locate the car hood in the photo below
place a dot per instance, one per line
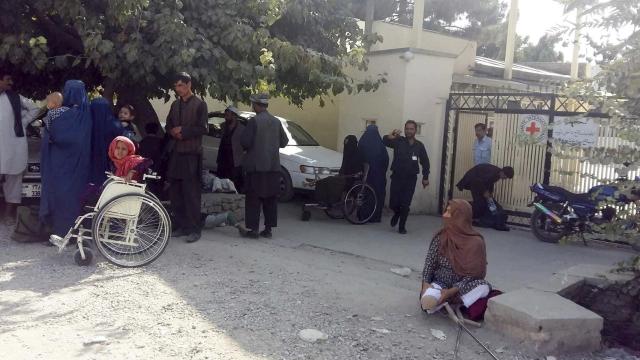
(312, 156)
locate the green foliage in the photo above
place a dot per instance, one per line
(140, 44)
(543, 51)
(492, 42)
(461, 17)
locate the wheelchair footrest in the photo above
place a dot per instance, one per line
(58, 241)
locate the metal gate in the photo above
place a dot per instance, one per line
(500, 111)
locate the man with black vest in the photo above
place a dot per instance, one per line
(186, 124)
(15, 114)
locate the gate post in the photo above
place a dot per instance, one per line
(445, 148)
(547, 155)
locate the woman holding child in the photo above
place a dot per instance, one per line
(66, 159)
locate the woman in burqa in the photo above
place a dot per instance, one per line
(376, 162)
(456, 262)
(66, 160)
(105, 128)
(351, 159)
(329, 190)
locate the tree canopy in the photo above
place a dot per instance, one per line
(544, 50)
(462, 17)
(134, 47)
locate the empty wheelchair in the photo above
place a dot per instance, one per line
(128, 225)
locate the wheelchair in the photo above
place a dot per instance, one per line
(129, 226)
(356, 201)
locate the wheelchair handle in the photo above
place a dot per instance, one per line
(153, 176)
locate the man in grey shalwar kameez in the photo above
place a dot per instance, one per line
(262, 139)
(15, 114)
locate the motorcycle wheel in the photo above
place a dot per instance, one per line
(545, 229)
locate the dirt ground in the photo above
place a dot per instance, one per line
(222, 298)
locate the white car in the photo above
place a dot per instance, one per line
(300, 160)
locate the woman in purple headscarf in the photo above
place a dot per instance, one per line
(65, 160)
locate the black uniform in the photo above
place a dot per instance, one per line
(184, 170)
(405, 168)
(479, 179)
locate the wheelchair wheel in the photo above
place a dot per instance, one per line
(88, 257)
(360, 204)
(131, 230)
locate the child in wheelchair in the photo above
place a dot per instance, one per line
(124, 164)
(113, 214)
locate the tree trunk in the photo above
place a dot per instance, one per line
(109, 89)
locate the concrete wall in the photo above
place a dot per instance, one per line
(426, 94)
(320, 122)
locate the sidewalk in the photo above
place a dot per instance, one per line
(516, 258)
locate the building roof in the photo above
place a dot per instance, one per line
(563, 68)
(494, 68)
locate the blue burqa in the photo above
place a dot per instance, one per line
(105, 128)
(66, 160)
(374, 153)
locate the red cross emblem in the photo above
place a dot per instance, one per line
(532, 129)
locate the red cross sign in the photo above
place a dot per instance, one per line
(532, 129)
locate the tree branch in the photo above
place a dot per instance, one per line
(56, 34)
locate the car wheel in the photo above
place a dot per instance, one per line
(286, 186)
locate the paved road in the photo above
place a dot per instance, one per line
(515, 258)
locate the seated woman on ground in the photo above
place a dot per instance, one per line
(456, 262)
(125, 163)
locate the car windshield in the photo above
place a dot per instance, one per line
(297, 135)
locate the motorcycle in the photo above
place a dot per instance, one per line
(558, 212)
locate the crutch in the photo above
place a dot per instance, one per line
(461, 321)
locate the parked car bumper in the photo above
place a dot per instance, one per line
(302, 181)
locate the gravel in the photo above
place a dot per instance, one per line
(221, 298)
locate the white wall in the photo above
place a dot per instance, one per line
(415, 90)
(426, 94)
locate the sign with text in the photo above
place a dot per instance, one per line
(576, 131)
(533, 128)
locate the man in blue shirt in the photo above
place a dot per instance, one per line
(481, 145)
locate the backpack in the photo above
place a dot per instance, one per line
(29, 228)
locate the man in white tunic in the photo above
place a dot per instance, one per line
(15, 113)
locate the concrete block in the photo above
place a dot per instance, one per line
(596, 275)
(545, 320)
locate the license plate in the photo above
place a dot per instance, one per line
(31, 190)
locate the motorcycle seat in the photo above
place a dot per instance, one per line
(568, 195)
